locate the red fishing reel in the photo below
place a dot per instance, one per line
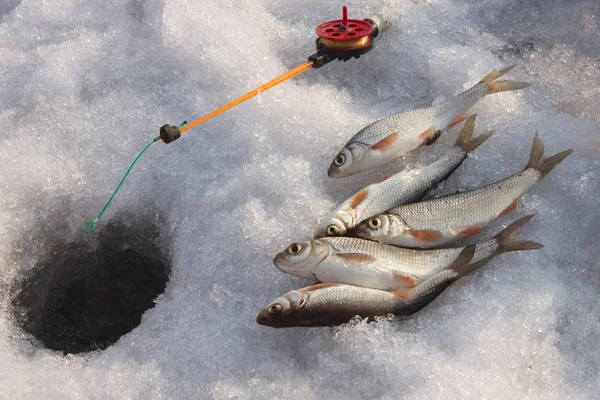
(345, 38)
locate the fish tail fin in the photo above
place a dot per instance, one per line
(497, 73)
(539, 162)
(495, 86)
(507, 241)
(465, 137)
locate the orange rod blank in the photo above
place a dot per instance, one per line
(281, 78)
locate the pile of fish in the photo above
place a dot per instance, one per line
(380, 252)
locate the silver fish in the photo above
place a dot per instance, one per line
(393, 136)
(329, 304)
(445, 219)
(403, 187)
(374, 265)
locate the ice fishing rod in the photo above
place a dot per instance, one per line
(341, 40)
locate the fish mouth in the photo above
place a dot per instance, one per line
(264, 319)
(280, 260)
(335, 172)
(361, 232)
(320, 233)
(281, 263)
(287, 267)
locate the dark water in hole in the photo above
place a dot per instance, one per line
(84, 294)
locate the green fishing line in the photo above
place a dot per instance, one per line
(89, 226)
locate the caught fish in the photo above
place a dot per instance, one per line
(393, 136)
(329, 304)
(406, 186)
(366, 263)
(445, 219)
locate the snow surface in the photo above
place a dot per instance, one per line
(85, 85)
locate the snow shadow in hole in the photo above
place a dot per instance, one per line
(84, 293)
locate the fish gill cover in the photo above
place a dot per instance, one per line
(84, 85)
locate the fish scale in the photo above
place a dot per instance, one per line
(439, 116)
(339, 298)
(335, 304)
(403, 123)
(367, 263)
(411, 184)
(443, 220)
(403, 187)
(463, 210)
(390, 137)
(413, 261)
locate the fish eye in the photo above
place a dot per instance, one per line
(339, 160)
(294, 248)
(375, 223)
(274, 309)
(333, 230)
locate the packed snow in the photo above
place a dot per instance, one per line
(84, 86)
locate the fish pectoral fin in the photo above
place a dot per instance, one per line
(402, 294)
(457, 120)
(429, 140)
(357, 258)
(386, 143)
(405, 280)
(426, 133)
(510, 209)
(359, 198)
(425, 235)
(474, 230)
